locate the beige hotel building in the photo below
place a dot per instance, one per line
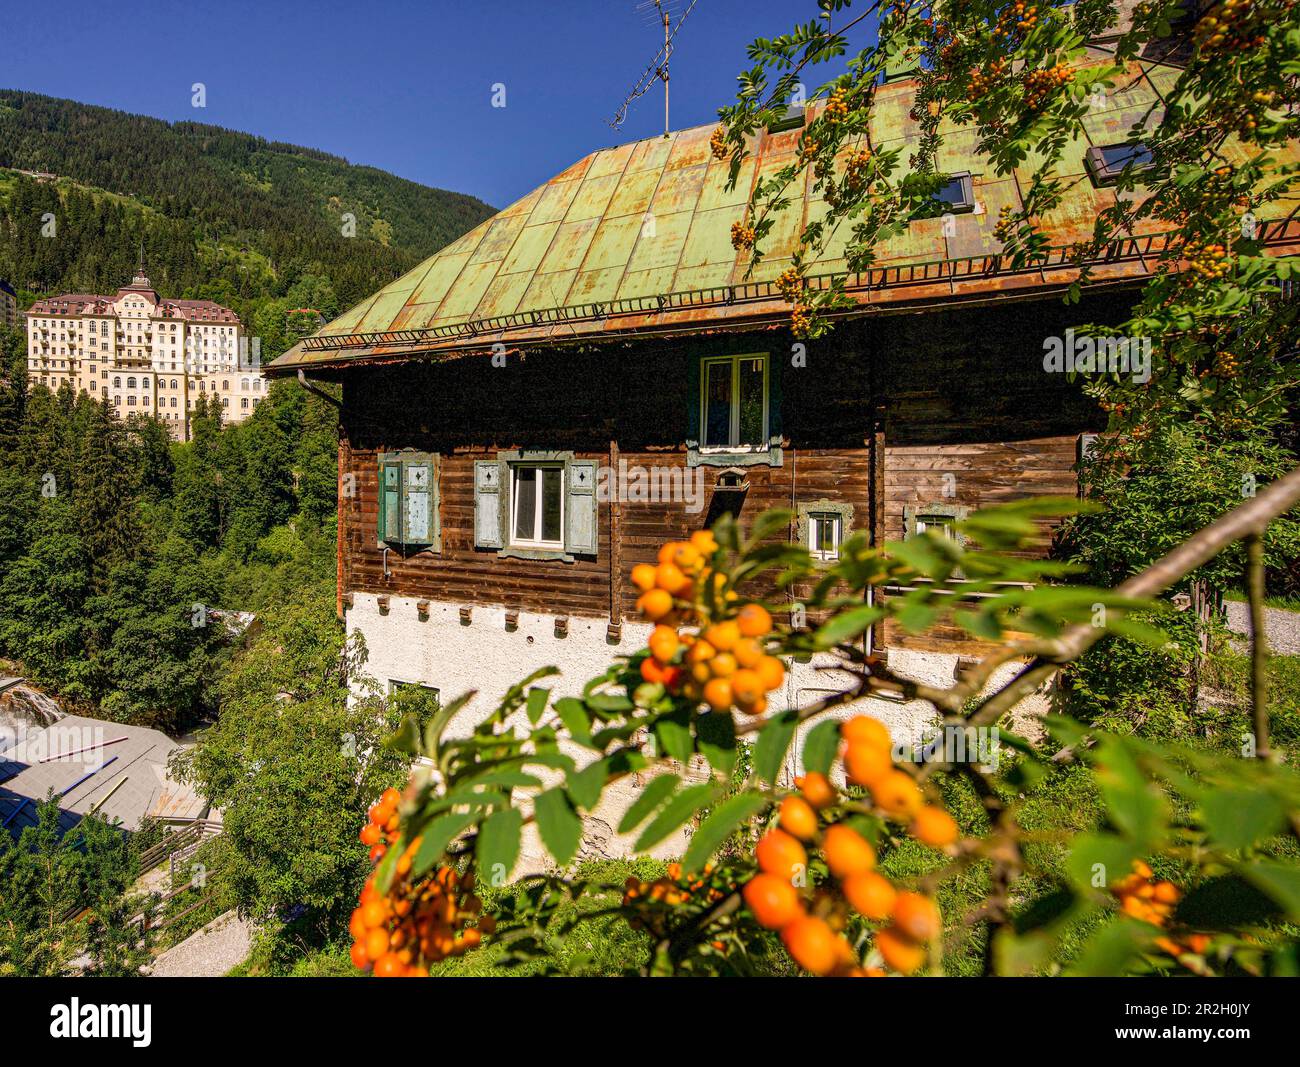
(145, 355)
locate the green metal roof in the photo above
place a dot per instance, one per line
(638, 237)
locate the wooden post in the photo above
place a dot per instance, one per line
(615, 540)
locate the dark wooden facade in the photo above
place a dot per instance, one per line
(883, 410)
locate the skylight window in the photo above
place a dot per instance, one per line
(1107, 162)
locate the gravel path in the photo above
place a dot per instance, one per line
(1281, 627)
(209, 952)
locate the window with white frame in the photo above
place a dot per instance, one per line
(734, 402)
(825, 532)
(537, 505)
(943, 525)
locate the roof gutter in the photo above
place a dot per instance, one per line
(302, 380)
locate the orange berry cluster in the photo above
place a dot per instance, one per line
(1209, 259)
(1143, 898)
(1016, 20)
(837, 106)
(742, 236)
(813, 935)
(1149, 901)
(1226, 365)
(855, 168)
(1039, 84)
(718, 143)
(982, 79)
(1006, 226)
(653, 901)
(790, 283)
(801, 321)
(1232, 26)
(808, 149)
(400, 933)
(722, 664)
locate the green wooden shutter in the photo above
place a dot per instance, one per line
(580, 527)
(487, 504)
(390, 498)
(418, 515)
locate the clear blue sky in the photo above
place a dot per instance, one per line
(404, 85)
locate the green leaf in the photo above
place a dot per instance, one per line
(573, 713)
(772, 744)
(716, 733)
(537, 698)
(1098, 859)
(847, 625)
(682, 806)
(726, 817)
(657, 790)
(558, 824)
(437, 835)
(1281, 881)
(586, 786)
(1237, 818)
(821, 746)
(498, 844)
(437, 724)
(1110, 950)
(673, 735)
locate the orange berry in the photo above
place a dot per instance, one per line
(723, 665)
(664, 643)
(816, 789)
(773, 900)
(897, 794)
(798, 818)
(916, 916)
(771, 671)
(847, 852)
(704, 542)
(871, 894)
(934, 827)
(752, 707)
(374, 913)
(812, 944)
(389, 965)
(669, 578)
(1167, 893)
(781, 854)
(655, 604)
(898, 951)
(723, 635)
(359, 958)
(747, 687)
(701, 673)
(370, 834)
(717, 694)
(866, 764)
(754, 620)
(376, 943)
(653, 671)
(747, 652)
(864, 730)
(643, 576)
(391, 797)
(699, 651)
(666, 551)
(687, 558)
(357, 925)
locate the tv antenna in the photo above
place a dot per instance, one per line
(662, 12)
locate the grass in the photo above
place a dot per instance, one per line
(1286, 603)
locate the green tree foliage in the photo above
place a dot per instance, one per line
(294, 764)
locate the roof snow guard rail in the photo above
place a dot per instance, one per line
(897, 275)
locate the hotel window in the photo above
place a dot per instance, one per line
(735, 411)
(243, 402)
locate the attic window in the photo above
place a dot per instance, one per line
(1107, 162)
(791, 120)
(957, 195)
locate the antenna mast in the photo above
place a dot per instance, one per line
(661, 12)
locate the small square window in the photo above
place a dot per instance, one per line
(1107, 162)
(537, 505)
(934, 518)
(825, 531)
(944, 525)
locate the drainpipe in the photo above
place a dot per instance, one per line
(302, 380)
